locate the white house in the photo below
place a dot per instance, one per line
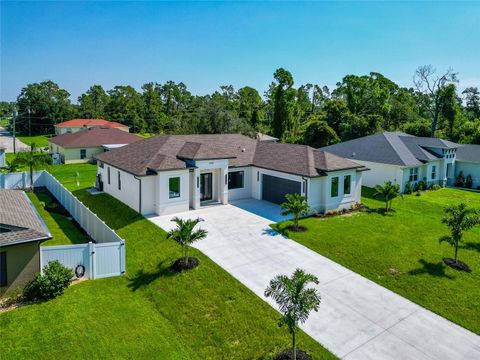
(167, 174)
(468, 163)
(401, 158)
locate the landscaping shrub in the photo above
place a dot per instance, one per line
(469, 182)
(436, 187)
(55, 279)
(408, 188)
(459, 181)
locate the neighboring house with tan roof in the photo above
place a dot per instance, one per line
(21, 232)
(81, 146)
(75, 125)
(167, 174)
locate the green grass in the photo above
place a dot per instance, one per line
(151, 312)
(376, 245)
(62, 229)
(40, 141)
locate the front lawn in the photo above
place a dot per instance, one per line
(63, 230)
(151, 312)
(401, 251)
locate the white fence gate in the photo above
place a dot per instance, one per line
(104, 258)
(98, 260)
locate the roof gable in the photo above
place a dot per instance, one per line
(93, 137)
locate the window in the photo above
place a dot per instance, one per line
(174, 187)
(83, 153)
(334, 189)
(119, 181)
(434, 172)
(235, 180)
(3, 268)
(108, 175)
(347, 184)
(100, 163)
(413, 174)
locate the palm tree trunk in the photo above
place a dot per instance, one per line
(456, 251)
(294, 345)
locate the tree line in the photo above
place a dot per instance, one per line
(309, 113)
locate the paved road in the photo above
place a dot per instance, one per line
(6, 141)
(358, 319)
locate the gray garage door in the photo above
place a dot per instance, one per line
(274, 188)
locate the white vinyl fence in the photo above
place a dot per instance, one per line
(97, 260)
(104, 258)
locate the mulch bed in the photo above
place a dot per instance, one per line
(457, 265)
(182, 264)
(298, 228)
(288, 355)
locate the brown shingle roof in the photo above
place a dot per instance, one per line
(168, 152)
(18, 215)
(90, 122)
(93, 137)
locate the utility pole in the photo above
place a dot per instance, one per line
(29, 122)
(14, 118)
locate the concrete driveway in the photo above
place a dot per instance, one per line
(6, 141)
(358, 319)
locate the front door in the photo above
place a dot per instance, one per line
(206, 187)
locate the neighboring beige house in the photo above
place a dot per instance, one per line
(81, 146)
(22, 230)
(167, 174)
(75, 125)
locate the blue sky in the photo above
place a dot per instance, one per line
(209, 44)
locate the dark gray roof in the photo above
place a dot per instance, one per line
(469, 153)
(20, 219)
(170, 152)
(394, 148)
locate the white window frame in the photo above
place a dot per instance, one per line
(413, 174)
(179, 187)
(349, 185)
(433, 173)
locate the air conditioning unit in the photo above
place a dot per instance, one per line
(56, 159)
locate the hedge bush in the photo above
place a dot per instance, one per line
(55, 279)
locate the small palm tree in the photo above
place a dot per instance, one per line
(185, 235)
(11, 167)
(388, 191)
(295, 205)
(33, 159)
(294, 299)
(459, 218)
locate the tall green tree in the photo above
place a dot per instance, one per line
(283, 102)
(251, 106)
(296, 300)
(126, 107)
(92, 104)
(317, 133)
(156, 120)
(472, 102)
(42, 105)
(431, 85)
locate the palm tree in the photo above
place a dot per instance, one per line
(11, 167)
(295, 205)
(459, 218)
(388, 191)
(294, 299)
(33, 159)
(185, 235)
